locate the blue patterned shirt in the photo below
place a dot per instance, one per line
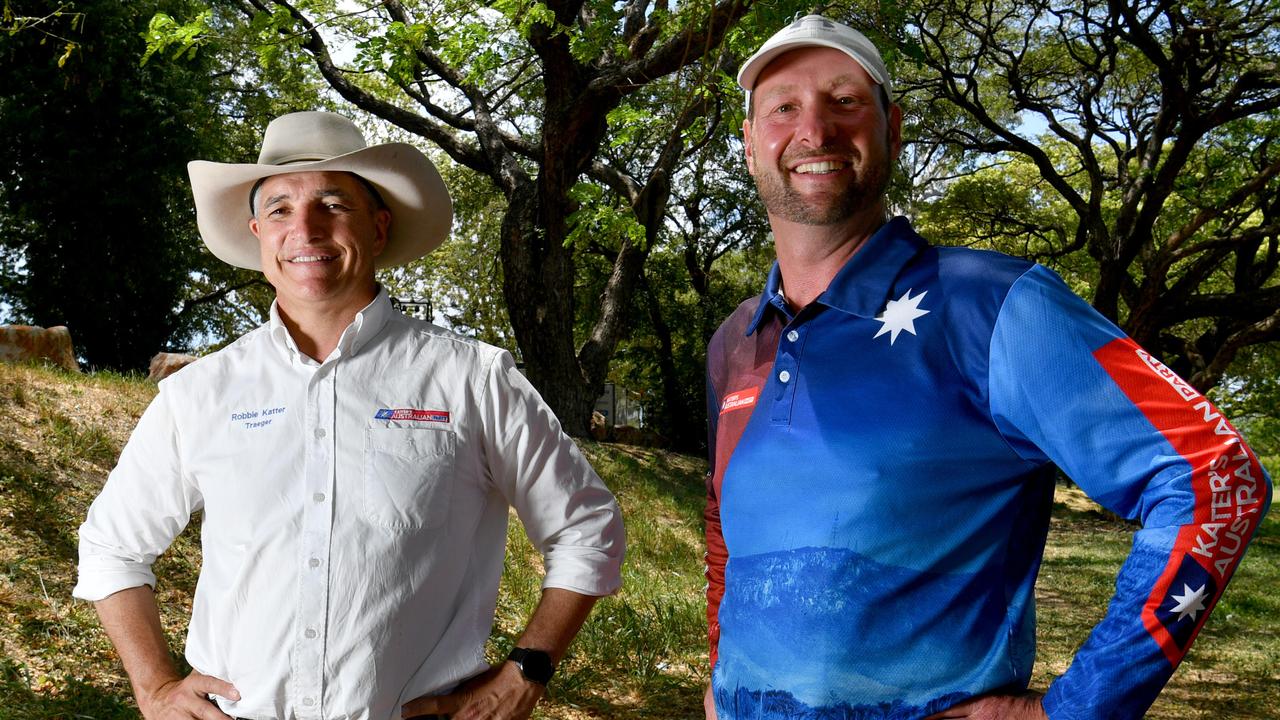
(882, 474)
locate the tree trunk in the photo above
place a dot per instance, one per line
(680, 413)
(538, 289)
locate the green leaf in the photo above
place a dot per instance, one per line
(164, 32)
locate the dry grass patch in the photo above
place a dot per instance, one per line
(60, 434)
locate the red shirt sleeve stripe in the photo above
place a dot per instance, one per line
(1227, 482)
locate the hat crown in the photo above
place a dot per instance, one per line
(311, 136)
(814, 23)
(817, 31)
(818, 27)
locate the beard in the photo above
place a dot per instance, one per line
(864, 189)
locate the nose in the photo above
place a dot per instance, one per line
(309, 222)
(816, 124)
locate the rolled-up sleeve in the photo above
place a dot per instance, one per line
(567, 512)
(144, 505)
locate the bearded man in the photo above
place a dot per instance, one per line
(885, 424)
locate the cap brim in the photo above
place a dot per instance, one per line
(410, 185)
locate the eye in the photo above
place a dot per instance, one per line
(784, 108)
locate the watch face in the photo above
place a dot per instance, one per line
(535, 664)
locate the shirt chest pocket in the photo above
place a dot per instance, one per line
(408, 476)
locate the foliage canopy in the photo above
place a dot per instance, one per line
(579, 114)
(95, 218)
(1131, 145)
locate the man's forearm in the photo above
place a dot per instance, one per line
(556, 621)
(132, 621)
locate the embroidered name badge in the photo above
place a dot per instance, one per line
(256, 417)
(440, 416)
(740, 399)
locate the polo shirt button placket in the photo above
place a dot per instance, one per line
(786, 369)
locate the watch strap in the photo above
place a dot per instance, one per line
(535, 665)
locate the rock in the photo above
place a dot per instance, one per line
(164, 364)
(27, 343)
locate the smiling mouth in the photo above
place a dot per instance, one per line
(820, 168)
(311, 258)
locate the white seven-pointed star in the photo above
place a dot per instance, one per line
(1190, 602)
(901, 315)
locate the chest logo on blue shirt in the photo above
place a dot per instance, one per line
(901, 314)
(740, 399)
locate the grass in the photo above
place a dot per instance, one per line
(642, 653)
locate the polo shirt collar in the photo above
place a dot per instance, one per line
(366, 325)
(862, 286)
(772, 297)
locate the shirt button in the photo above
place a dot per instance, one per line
(784, 376)
(308, 701)
(793, 336)
(319, 433)
(314, 562)
(310, 633)
(318, 497)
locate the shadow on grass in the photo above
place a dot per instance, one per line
(680, 700)
(1092, 516)
(36, 503)
(653, 470)
(78, 700)
(1073, 507)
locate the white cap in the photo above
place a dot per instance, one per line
(810, 31)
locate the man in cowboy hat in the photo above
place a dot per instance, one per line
(354, 468)
(930, 392)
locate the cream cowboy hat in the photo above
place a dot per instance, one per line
(410, 185)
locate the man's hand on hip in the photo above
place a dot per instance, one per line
(500, 693)
(996, 707)
(186, 698)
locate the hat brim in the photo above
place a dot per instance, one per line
(410, 185)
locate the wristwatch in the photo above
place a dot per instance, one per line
(535, 665)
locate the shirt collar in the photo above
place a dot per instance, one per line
(367, 324)
(862, 286)
(772, 297)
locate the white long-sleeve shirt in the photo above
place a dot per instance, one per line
(355, 512)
